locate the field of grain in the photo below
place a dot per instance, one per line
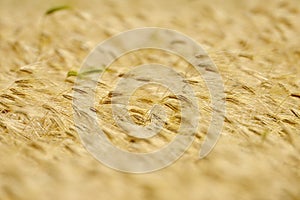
(256, 47)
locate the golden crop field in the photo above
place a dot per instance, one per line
(256, 47)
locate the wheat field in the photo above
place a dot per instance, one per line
(256, 47)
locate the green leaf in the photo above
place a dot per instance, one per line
(55, 9)
(72, 73)
(84, 73)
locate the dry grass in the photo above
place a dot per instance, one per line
(256, 46)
